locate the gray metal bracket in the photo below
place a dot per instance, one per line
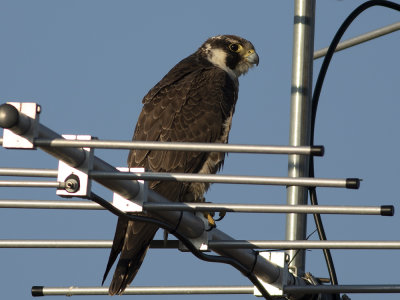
(135, 204)
(281, 259)
(24, 139)
(77, 181)
(200, 242)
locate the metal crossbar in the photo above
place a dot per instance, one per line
(360, 39)
(386, 210)
(192, 290)
(212, 244)
(148, 290)
(305, 244)
(352, 183)
(32, 184)
(79, 244)
(175, 146)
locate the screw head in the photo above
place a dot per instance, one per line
(72, 183)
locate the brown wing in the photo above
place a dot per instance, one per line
(190, 104)
(192, 109)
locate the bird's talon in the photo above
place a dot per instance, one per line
(221, 216)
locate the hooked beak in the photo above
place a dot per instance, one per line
(252, 57)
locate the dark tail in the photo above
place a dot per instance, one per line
(132, 239)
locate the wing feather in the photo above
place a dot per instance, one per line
(191, 109)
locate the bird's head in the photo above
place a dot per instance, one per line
(231, 53)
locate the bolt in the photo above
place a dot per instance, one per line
(72, 183)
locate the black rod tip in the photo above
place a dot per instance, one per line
(387, 210)
(353, 183)
(317, 150)
(9, 116)
(37, 291)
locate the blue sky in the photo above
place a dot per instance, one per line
(89, 63)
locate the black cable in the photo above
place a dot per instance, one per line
(206, 257)
(315, 101)
(332, 47)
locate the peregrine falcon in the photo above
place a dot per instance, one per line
(194, 102)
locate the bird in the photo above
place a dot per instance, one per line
(193, 102)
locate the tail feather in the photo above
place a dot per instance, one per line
(132, 239)
(118, 242)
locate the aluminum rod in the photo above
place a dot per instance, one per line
(147, 290)
(386, 210)
(304, 244)
(265, 208)
(182, 146)
(360, 39)
(334, 289)
(218, 245)
(77, 244)
(49, 204)
(232, 179)
(207, 290)
(217, 178)
(36, 184)
(55, 244)
(300, 121)
(25, 172)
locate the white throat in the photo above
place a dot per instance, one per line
(218, 58)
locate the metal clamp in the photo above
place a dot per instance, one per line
(280, 259)
(25, 138)
(77, 181)
(135, 204)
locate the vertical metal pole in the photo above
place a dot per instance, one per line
(300, 116)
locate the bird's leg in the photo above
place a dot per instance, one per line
(165, 238)
(208, 215)
(210, 219)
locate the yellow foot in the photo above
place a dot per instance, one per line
(210, 220)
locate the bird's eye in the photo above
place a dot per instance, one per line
(235, 47)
